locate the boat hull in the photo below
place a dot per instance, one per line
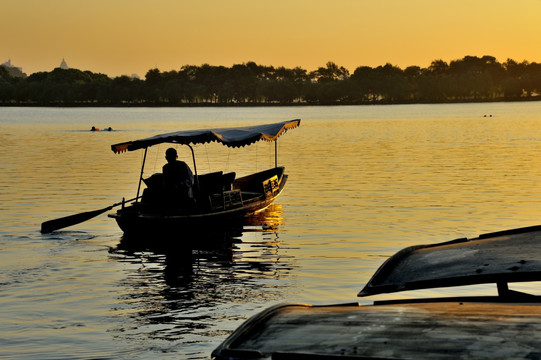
(137, 220)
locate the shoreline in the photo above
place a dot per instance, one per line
(203, 105)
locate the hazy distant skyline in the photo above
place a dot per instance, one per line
(124, 37)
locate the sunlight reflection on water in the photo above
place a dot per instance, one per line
(188, 294)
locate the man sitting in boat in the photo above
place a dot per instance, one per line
(178, 179)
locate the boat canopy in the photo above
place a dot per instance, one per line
(232, 137)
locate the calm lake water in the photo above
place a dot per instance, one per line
(364, 182)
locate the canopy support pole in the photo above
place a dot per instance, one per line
(276, 153)
(141, 176)
(194, 167)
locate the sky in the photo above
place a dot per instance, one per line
(125, 37)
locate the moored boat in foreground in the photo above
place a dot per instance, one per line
(218, 197)
(502, 326)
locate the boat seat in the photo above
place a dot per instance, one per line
(215, 182)
(154, 193)
(226, 200)
(210, 183)
(154, 181)
(212, 188)
(227, 181)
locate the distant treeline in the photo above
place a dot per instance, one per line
(469, 79)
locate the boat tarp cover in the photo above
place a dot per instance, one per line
(232, 137)
(507, 256)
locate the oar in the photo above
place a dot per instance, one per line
(52, 225)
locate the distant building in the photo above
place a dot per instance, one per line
(63, 65)
(13, 70)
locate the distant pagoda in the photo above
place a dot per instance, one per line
(63, 65)
(14, 71)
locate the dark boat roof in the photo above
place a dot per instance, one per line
(502, 257)
(232, 137)
(433, 330)
(507, 326)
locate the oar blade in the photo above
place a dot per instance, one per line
(56, 224)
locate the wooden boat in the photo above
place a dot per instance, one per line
(219, 197)
(502, 326)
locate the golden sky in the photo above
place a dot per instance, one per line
(118, 37)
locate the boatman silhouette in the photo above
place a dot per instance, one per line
(178, 179)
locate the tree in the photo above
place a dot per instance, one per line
(331, 72)
(281, 91)
(438, 67)
(466, 79)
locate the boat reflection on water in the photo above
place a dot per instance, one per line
(172, 291)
